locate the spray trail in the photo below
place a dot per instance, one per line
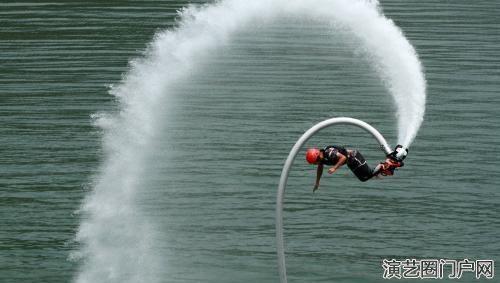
(117, 239)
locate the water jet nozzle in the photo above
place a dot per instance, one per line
(399, 153)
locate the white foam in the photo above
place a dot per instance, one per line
(117, 238)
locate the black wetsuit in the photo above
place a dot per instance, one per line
(330, 154)
(355, 161)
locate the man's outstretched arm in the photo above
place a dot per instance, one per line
(319, 172)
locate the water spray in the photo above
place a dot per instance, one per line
(113, 218)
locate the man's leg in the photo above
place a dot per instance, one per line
(357, 163)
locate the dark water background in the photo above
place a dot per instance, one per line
(264, 90)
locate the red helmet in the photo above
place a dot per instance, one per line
(312, 155)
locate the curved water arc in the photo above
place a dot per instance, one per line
(129, 134)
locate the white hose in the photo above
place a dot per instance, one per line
(286, 169)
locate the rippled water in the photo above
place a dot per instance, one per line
(210, 186)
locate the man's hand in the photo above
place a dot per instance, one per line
(332, 170)
(316, 187)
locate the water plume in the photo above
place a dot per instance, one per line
(117, 239)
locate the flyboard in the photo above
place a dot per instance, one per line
(399, 154)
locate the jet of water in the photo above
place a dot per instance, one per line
(117, 239)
